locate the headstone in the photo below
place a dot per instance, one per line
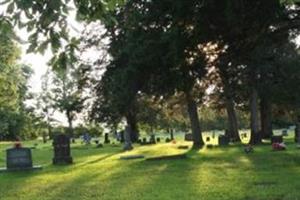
(158, 139)
(99, 145)
(127, 142)
(223, 140)
(19, 159)
(106, 139)
(86, 138)
(62, 151)
(276, 139)
(188, 137)
(144, 141)
(152, 139)
(248, 149)
(284, 132)
(122, 137)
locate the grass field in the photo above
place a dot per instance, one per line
(208, 174)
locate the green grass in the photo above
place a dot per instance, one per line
(209, 174)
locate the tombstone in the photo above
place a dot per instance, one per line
(223, 140)
(152, 139)
(62, 152)
(86, 138)
(127, 142)
(144, 141)
(140, 141)
(276, 139)
(158, 139)
(122, 137)
(19, 159)
(284, 132)
(227, 133)
(99, 145)
(168, 140)
(188, 137)
(106, 139)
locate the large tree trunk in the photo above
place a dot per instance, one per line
(266, 117)
(127, 143)
(255, 137)
(232, 121)
(131, 121)
(195, 124)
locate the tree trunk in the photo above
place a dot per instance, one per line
(255, 137)
(297, 130)
(70, 122)
(127, 137)
(232, 121)
(131, 121)
(171, 134)
(266, 117)
(195, 124)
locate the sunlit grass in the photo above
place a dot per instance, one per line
(217, 173)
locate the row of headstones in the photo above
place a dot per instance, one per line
(20, 158)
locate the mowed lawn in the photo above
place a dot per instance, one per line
(208, 174)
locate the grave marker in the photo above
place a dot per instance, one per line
(18, 159)
(62, 152)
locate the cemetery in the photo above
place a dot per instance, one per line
(149, 99)
(153, 170)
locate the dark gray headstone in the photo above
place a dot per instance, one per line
(276, 139)
(223, 140)
(62, 151)
(284, 132)
(18, 158)
(152, 139)
(106, 139)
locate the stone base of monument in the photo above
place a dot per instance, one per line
(38, 167)
(62, 161)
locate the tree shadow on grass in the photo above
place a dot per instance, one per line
(221, 173)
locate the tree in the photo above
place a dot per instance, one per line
(68, 91)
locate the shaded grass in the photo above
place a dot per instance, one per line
(218, 173)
